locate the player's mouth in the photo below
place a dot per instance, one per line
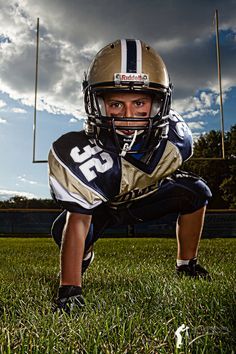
(128, 132)
(125, 132)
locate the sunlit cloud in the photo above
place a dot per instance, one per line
(2, 104)
(25, 180)
(193, 107)
(168, 45)
(19, 110)
(73, 120)
(196, 125)
(3, 121)
(6, 194)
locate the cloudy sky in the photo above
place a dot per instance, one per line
(71, 32)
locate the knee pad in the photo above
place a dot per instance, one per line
(194, 183)
(198, 191)
(202, 189)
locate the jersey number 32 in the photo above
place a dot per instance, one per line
(89, 164)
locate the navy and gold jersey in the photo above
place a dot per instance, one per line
(82, 175)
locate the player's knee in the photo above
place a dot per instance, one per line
(57, 228)
(196, 191)
(202, 189)
(199, 195)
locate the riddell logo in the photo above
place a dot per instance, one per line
(126, 77)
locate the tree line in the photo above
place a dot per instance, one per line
(219, 174)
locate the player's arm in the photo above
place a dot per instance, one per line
(79, 199)
(74, 236)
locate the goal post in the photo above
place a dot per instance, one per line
(223, 157)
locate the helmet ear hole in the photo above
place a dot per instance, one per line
(101, 105)
(156, 106)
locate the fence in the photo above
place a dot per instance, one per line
(37, 222)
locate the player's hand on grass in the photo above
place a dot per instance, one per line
(69, 297)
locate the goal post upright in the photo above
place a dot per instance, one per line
(220, 83)
(35, 97)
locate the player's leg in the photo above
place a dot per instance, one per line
(189, 226)
(186, 195)
(188, 231)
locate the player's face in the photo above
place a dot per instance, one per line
(128, 105)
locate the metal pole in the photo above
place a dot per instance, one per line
(36, 89)
(220, 86)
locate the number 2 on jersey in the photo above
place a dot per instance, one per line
(91, 165)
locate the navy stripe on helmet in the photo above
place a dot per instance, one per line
(131, 56)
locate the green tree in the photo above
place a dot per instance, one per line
(228, 186)
(219, 174)
(24, 203)
(208, 145)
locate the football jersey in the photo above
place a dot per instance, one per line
(82, 175)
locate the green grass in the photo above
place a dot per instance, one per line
(135, 302)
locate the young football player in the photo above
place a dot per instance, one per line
(123, 168)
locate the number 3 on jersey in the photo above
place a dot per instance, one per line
(91, 165)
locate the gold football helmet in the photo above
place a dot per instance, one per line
(127, 65)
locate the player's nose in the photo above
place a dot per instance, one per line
(129, 111)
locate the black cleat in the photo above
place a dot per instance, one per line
(68, 304)
(69, 297)
(193, 270)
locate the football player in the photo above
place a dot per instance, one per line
(123, 168)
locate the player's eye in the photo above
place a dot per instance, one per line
(115, 105)
(139, 103)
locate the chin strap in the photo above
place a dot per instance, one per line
(127, 146)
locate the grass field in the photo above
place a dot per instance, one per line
(135, 302)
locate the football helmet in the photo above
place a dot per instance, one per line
(127, 65)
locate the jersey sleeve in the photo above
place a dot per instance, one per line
(67, 188)
(180, 135)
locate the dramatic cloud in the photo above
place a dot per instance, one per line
(193, 107)
(71, 32)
